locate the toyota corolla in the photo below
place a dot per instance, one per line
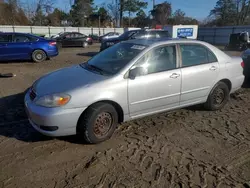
(130, 80)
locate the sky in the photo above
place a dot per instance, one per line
(198, 9)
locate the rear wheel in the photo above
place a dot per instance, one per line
(218, 97)
(39, 56)
(98, 123)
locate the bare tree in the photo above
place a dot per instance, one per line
(113, 9)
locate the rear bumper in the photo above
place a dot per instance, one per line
(52, 53)
(237, 83)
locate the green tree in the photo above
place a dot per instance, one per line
(141, 19)
(56, 17)
(133, 6)
(225, 12)
(80, 10)
(161, 13)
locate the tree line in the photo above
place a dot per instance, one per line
(119, 13)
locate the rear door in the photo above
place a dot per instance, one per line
(79, 39)
(21, 46)
(199, 69)
(5, 51)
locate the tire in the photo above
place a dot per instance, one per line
(85, 44)
(39, 56)
(218, 97)
(90, 126)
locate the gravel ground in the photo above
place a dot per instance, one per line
(185, 148)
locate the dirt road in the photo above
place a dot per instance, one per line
(185, 148)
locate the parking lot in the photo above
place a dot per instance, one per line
(186, 148)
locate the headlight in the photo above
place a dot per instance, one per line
(54, 100)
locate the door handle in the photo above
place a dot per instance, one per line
(175, 75)
(213, 68)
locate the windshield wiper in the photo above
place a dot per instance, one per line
(95, 68)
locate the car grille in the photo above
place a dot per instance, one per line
(32, 94)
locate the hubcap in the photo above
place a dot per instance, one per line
(219, 96)
(39, 56)
(102, 124)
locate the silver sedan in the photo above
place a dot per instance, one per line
(130, 80)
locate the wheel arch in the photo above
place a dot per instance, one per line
(117, 107)
(224, 80)
(227, 82)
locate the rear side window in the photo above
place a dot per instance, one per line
(21, 38)
(4, 38)
(211, 57)
(195, 54)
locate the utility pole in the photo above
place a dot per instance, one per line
(153, 4)
(99, 23)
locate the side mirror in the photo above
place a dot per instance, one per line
(135, 72)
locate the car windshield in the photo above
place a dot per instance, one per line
(113, 59)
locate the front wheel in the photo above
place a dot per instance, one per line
(39, 56)
(218, 97)
(98, 123)
(85, 44)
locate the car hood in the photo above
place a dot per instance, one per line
(66, 80)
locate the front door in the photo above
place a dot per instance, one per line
(200, 69)
(158, 88)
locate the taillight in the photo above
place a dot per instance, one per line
(52, 43)
(242, 64)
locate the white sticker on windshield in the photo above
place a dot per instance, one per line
(137, 47)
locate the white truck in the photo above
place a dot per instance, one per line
(184, 31)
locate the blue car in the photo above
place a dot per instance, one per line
(23, 46)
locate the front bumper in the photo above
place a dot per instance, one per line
(64, 119)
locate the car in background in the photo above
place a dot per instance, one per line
(95, 38)
(24, 46)
(109, 36)
(73, 39)
(134, 34)
(238, 41)
(246, 59)
(130, 80)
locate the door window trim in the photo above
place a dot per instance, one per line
(190, 44)
(177, 53)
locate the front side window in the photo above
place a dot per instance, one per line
(195, 54)
(113, 59)
(158, 59)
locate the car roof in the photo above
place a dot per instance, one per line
(151, 41)
(10, 33)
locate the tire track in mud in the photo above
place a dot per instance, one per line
(149, 155)
(185, 148)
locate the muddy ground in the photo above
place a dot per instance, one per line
(185, 148)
